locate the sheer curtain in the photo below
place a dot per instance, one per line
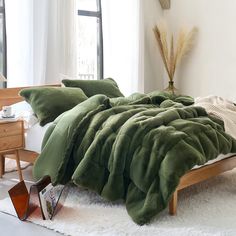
(123, 43)
(41, 41)
(61, 40)
(19, 27)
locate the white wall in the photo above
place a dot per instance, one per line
(153, 67)
(210, 68)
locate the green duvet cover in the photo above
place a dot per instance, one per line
(135, 149)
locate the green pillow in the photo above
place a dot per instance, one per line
(49, 102)
(107, 87)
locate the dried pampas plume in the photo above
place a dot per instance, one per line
(172, 54)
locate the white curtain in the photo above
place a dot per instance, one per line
(67, 21)
(123, 43)
(19, 51)
(41, 41)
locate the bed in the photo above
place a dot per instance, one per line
(194, 176)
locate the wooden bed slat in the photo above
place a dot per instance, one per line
(198, 175)
(25, 155)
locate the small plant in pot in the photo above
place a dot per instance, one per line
(172, 53)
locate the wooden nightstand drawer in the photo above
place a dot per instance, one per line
(11, 142)
(11, 128)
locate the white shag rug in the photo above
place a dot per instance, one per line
(205, 209)
(10, 165)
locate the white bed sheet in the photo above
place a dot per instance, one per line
(220, 157)
(34, 137)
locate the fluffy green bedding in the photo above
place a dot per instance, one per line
(135, 152)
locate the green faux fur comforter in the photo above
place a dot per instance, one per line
(134, 148)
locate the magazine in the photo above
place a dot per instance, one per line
(42, 194)
(48, 201)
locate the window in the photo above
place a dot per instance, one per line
(2, 38)
(90, 41)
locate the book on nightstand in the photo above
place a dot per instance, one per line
(42, 195)
(12, 118)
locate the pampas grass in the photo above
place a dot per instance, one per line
(172, 53)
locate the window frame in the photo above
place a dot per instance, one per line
(98, 15)
(2, 11)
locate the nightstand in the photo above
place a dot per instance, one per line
(11, 141)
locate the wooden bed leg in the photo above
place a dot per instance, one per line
(173, 204)
(2, 165)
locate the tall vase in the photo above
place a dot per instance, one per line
(171, 88)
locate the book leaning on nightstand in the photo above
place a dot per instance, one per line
(41, 195)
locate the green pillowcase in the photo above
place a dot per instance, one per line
(107, 87)
(49, 102)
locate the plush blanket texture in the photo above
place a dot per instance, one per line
(134, 148)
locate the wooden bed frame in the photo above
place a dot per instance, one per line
(10, 96)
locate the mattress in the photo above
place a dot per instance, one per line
(34, 137)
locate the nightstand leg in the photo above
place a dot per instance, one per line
(18, 165)
(2, 165)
